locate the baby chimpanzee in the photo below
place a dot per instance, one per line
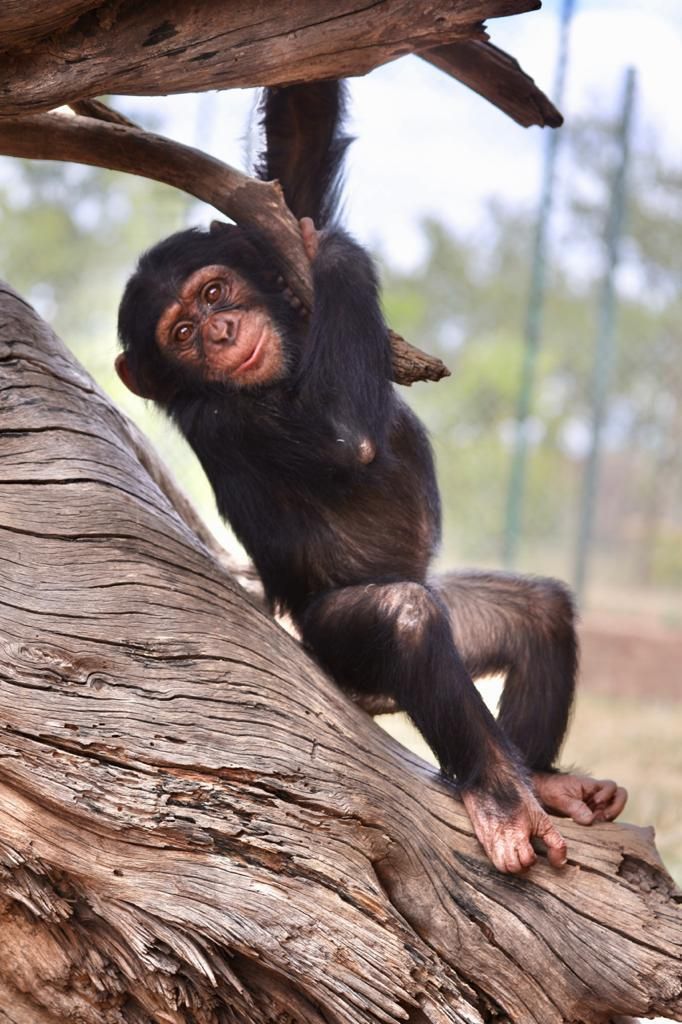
(327, 478)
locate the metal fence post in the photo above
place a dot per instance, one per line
(605, 342)
(534, 310)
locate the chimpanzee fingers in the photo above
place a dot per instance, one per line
(608, 799)
(512, 862)
(579, 811)
(527, 856)
(287, 293)
(555, 843)
(517, 855)
(500, 839)
(290, 297)
(309, 236)
(617, 804)
(498, 859)
(506, 858)
(512, 852)
(602, 793)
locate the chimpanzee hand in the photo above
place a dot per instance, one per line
(505, 835)
(580, 797)
(310, 236)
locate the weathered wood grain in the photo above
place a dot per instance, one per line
(154, 47)
(22, 22)
(196, 826)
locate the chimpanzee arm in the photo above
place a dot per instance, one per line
(345, 366)
(305, 146)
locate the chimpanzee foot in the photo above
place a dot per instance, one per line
(580, 797)
(506, 835)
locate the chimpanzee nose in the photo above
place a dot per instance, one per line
(221, 327)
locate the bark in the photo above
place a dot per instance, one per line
(22, 22)
(197, 827)
(117, 144)
(69, 50)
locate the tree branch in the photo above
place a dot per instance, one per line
(167, 46)
(24, 22)
(497, 77)
(101, 112)
(122, 147)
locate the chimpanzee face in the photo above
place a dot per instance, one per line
(220, 327)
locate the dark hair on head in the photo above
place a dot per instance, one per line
(159, 275)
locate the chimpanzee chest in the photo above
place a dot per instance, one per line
(380, 527)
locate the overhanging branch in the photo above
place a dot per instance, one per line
(123, 147)
(497, 77)
(70, 49)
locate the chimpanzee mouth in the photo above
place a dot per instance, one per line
(253, 358)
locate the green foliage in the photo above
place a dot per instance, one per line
(70, 237)
(667, 567)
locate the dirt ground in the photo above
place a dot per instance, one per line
(630, 656)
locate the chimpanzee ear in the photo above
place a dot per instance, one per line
(126, 374)
(218, 226)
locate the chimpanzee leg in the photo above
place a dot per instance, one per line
(396, 638)
(523, 626)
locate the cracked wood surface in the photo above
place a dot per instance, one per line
(197, 827)
(68, 50)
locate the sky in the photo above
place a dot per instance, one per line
(428, 146)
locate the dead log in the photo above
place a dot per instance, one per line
(73, 49)
(196, 826)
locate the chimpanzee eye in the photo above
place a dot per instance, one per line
(212, 293)
(182, 333)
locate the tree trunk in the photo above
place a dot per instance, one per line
(197, 826)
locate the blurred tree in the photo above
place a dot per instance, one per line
(69, 238)
(467, 300)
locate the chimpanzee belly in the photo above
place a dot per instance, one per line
(384, 525)
(364, 537)
(311, 527)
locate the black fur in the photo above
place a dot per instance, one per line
(341, 544)
(522, 626)
(305, 146)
